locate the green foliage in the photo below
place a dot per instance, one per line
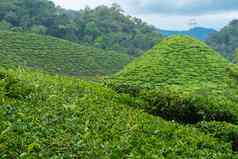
(4, 26)
(57, 56)
(14, 88)
(39, 29)
(222, 130)
(236, 56)
(173, 104)
(69, 118)
(182, 79)
(232, 70)
(226, 40)
(115, 30)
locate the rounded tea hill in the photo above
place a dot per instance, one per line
(177, 60)
(182, 79)
(56, 55)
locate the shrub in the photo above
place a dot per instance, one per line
(125, 89)
(189, 108)
(18, 89)
(222, 130)
(232, 70)
(13, 87)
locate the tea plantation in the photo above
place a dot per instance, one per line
(179, 100)
(57, 56)
(182, 79)
(44, 116)
(178, 60)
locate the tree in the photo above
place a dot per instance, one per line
(226, 40)
(91, 30)
(12, 18)
(4, 26)
(116, 7)
(104, 27)
(69, 31)
(5, 7)
(235, 60)
(40, 29)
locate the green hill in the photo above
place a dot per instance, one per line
(43, 116)
(56, 55)
(106, 27)
(184, 80)
(177, 60)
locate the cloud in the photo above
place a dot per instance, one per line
(169, 14)
(168, 7)
(181, 22)
(186, 7)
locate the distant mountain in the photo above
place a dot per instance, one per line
(197, 32)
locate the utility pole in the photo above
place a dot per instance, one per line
(192, 23)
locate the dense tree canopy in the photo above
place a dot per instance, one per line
(226, 41)
(105, 27)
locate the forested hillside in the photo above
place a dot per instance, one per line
(226, 40)
(57, 56)
(104, 27)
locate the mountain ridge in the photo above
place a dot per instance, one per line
(201, 33)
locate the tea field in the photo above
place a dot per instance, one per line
(178, 100)
(57, 55)
(45, 116)
(182, 79)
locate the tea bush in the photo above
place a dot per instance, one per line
(185, 107)
(223, 130)
(68, 118)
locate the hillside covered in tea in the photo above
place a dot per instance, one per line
(56, 55)
(177, 60)
(43, 116)
(182, 79)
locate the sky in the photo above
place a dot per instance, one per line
(169, 14)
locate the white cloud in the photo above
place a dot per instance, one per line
(169, 14)
(181, 22)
